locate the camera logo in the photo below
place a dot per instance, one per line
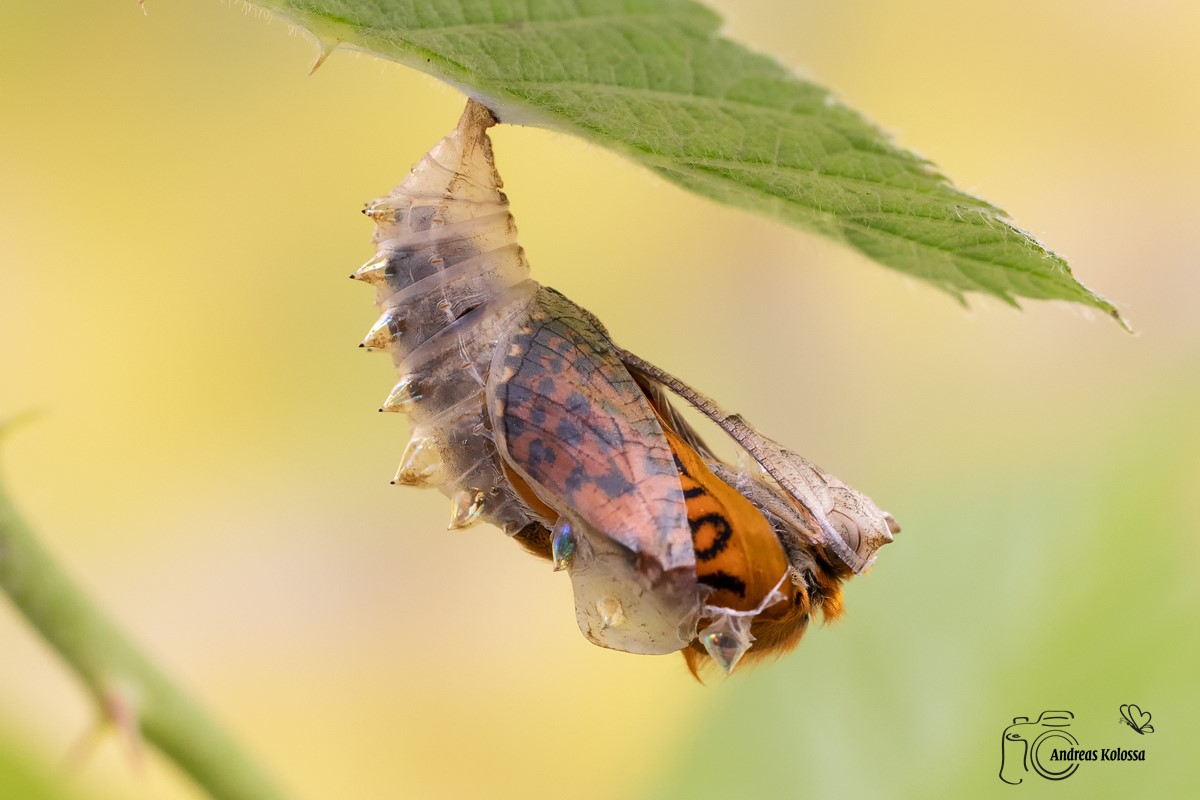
(1029, 746)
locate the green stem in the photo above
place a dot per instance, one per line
(127, 687)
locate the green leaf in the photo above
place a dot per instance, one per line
(651, 79)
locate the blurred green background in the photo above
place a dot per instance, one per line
(178, 214)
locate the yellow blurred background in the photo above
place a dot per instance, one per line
(178, 214)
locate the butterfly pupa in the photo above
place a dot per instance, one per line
(526, 415)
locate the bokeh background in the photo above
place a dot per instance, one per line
(179, 211)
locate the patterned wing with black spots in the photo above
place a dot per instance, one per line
(571, 420)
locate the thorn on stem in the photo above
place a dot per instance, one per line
(120, 708)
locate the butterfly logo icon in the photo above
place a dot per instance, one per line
(1133, 716)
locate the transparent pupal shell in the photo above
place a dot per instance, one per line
(623, 605)
(449, 372)
(449, 277)
(726, 640)
(466, 508)
(525, 414)
(438, 300)
(422, 464)
(454, 364)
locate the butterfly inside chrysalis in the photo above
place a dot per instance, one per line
(527, 415)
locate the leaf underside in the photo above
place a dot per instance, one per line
(653, 80)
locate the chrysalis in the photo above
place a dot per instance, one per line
(527, 415)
